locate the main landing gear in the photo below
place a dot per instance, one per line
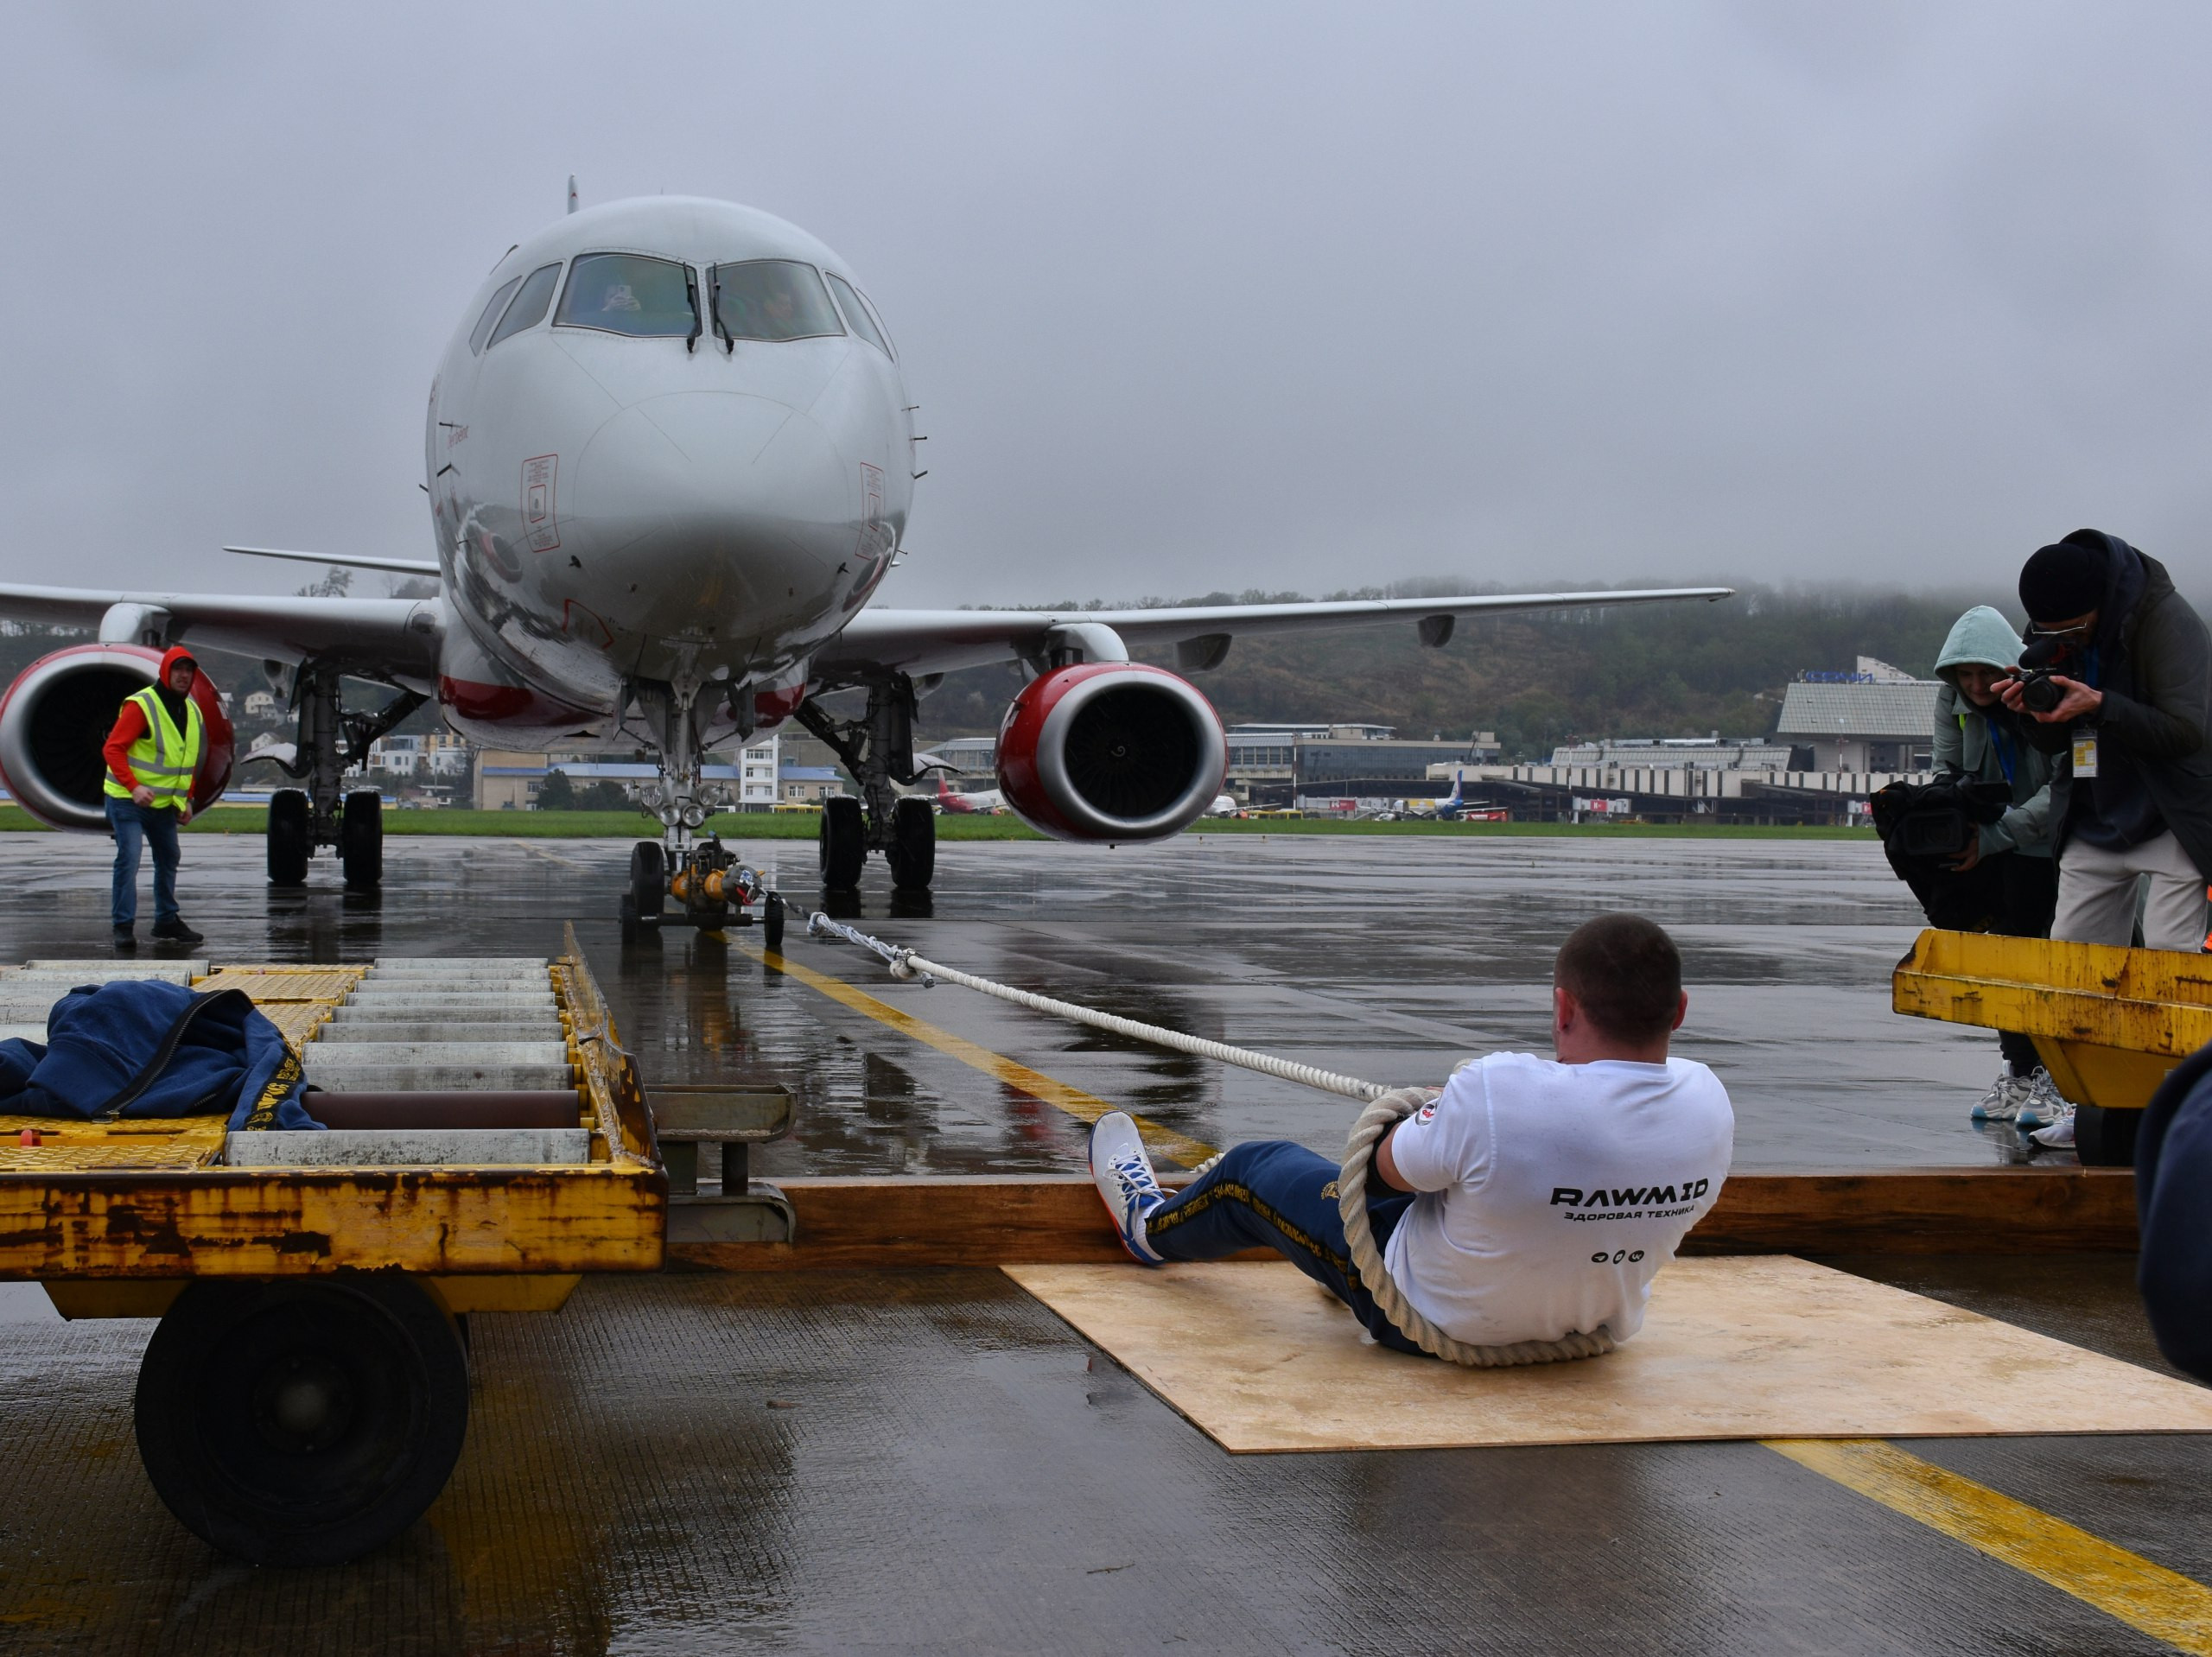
(331, 742)
(878, 748)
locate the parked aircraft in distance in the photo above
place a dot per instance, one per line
(670, 455)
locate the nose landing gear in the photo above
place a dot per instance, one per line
(711, 890)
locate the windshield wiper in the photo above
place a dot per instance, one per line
(691, 292)
(715, 309)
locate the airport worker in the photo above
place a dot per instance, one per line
(2126, 705)
(1530, 1199)
(2007, 881)
(152, 755)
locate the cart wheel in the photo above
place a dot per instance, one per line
(2104, 1138)
(301, 1423)
(771, 922)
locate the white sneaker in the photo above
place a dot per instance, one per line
(2059, 1136)
(2041, 1104)
(1126, 1183)
(2003, 1100)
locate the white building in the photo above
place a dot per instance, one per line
(435, 754)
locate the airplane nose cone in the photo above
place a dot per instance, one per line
(711, 511)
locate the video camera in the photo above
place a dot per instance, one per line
(1936, 821)
(2046, 654)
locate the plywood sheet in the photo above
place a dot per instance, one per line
(1733, 1347)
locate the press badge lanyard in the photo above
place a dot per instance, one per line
(2085, 740)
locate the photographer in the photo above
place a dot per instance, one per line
(1995, 796)
(2116, 681)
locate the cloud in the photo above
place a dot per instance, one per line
(1192, 297)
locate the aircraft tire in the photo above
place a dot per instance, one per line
(913, 851)
(648, 880)
(842, 847)
(289, 839)
(302, 1422)
(360, 840)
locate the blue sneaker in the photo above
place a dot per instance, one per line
(1125, 1180)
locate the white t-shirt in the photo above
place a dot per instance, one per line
(1551, 1194)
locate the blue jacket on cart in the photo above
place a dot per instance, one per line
(2173, 1199)
(140, 1048)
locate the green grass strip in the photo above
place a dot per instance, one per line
(802, 825)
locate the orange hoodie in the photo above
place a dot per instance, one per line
(130, 723)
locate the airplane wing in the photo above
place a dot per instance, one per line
(380, 638)
(942, 641)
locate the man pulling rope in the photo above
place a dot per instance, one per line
(1522, 1211)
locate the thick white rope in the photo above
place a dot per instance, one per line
(1385, 1113)
(1385, 1109)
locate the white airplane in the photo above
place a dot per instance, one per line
(670, 455)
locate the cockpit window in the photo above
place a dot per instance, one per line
(528, 308)
(628, 293)
(772, 299)
(857, 314)
(499, 303)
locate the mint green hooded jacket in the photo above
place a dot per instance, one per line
(1963, 742)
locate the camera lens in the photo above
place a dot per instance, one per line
(2039, 696)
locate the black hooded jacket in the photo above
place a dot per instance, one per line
(2173, 1202)
(2155, 668)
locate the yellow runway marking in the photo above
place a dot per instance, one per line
(1162, 1142)
(2149, 1598)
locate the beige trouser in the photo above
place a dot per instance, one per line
(2096, 895)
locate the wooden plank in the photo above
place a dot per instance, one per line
(1743, 1347)
(993, 1221)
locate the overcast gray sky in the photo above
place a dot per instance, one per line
(1193, 297)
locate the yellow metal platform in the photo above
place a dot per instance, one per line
(144, 1200)
(2107, 1023)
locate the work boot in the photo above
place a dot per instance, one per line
(175, 931)
(1126, 1183)
(126, 937)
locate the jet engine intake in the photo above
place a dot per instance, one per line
(1111, 751)
(55, 718)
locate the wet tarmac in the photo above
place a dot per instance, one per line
(1389, 959)
(933, 1462)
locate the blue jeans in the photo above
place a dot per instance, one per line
(1273, 1194)
(157, 826)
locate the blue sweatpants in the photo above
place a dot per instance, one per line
(1274, 1194)
(155, 826)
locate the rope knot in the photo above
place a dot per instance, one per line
(1385, 1113)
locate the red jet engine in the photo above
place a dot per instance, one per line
(54, 719)
(1111, 751)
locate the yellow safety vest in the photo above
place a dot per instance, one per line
(163, 759)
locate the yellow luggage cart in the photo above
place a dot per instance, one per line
(2107, 1023)
(305, 1395)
